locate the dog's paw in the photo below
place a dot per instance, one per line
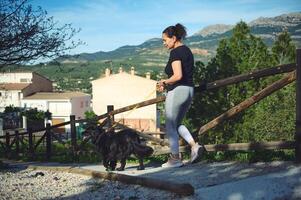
(120, 169)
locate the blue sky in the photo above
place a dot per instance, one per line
(108, 24)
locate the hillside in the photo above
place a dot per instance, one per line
(75, 72)
(203, 43)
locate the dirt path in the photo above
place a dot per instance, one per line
(223, 180)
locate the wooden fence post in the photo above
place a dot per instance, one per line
(298, 107)
(48, 141)
(73, 132)
(110, 108)
(17, 143)
(30, 143)
(7, 144)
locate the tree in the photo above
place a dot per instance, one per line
(274, 116)
(284, 50)
(240, 53)
(26, 34)
(270, 119)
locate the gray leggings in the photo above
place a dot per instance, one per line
(177, 104)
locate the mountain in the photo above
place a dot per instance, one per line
(214, 29)
(286, 20)
(268, 28)
(203, 43)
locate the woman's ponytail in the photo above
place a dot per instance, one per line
(179, 31)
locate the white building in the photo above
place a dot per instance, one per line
(15, 86)
(124, 89)
(60, 104)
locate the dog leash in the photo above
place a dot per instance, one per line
(132, 110)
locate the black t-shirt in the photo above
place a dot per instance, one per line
(184, 54)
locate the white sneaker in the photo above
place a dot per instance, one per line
(173, 162)
(196, 153)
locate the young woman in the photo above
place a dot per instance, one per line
(179, 86)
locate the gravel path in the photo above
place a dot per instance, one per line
(213, 181)
(33, 184)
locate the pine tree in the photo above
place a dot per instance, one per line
(240, 53)
(284, 50)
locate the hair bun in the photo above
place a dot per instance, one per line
(180, 31)
(177, 30)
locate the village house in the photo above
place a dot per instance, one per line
(60, 104)
(124, 89)
(15, 86)
(32, 90)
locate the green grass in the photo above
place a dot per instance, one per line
(251, 156)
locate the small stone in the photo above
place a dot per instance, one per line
(38, 174)
(117, 197)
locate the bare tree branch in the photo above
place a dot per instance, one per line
(27, 34)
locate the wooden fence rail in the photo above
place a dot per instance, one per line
(248, 102)
(249, 76)
(236, 147)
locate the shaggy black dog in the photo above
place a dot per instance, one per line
(119, 146)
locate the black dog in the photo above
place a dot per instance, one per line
(119, 146)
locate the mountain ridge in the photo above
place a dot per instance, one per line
(204, 42)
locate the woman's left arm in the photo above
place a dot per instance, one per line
(177, 73)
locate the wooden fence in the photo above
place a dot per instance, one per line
(294, 73)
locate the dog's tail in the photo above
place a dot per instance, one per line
(142, 150)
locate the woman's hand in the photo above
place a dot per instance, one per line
(160, 86)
